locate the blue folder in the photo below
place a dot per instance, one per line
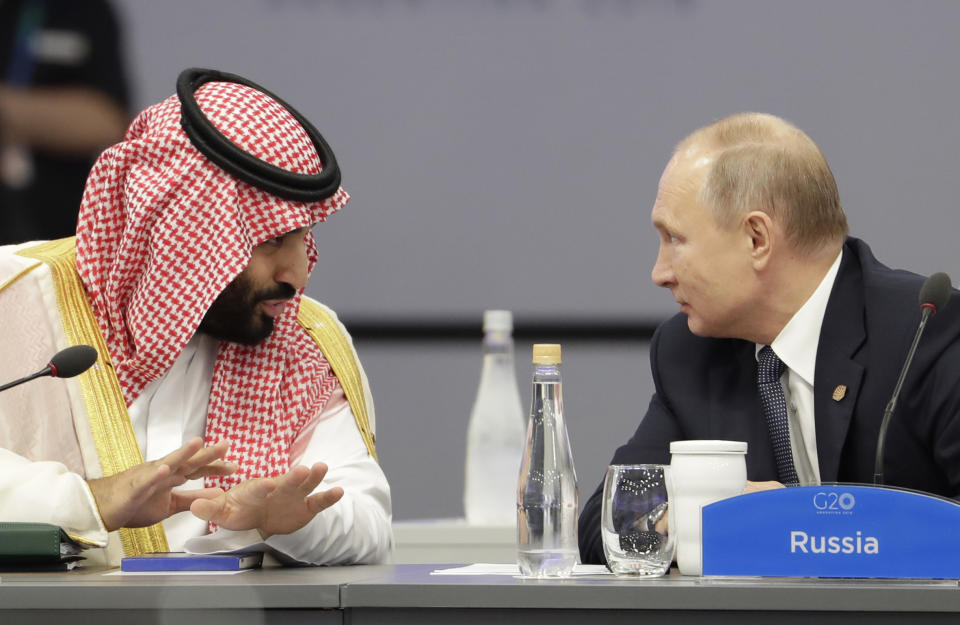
(179, 561)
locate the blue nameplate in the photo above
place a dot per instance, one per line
(832, 531)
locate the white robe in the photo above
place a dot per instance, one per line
(45, 480)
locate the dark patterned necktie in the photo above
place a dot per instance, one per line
(774, 403)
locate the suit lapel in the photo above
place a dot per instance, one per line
(837, 377)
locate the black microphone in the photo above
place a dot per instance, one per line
(934, 295)
(65, 364)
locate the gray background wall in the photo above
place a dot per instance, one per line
(505, 153)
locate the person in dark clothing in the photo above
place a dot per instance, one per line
(63, 98)
(754, 249)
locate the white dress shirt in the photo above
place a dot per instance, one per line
(796, 346)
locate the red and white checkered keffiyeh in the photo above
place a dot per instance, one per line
(162, 231)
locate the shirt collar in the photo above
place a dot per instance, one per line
(796, 345)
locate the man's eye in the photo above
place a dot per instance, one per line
(274, 241)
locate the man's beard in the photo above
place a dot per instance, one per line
(234, 317)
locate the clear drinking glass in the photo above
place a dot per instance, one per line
(636, 536)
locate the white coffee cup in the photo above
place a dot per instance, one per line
(702, 472)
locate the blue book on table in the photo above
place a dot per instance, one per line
(180, 561)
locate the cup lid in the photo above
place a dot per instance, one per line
(708, 447)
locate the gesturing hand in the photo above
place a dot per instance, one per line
(143, 495)
(278, 505)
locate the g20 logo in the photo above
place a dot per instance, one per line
(834, 501)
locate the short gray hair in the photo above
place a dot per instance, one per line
(762, 162)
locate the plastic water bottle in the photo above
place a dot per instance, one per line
(547, 489)
(495, 432)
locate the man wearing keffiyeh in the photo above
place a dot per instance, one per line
(225, 404)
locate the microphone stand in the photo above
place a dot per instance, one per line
(928, 309)
(33, 376)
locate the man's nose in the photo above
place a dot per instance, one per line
(662, 272)
(292, 263)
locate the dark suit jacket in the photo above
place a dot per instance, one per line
(706, 389)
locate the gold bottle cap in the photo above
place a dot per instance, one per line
(546, 354)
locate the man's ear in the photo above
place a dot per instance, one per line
(759, 228)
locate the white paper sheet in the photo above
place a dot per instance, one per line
(514, 570)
